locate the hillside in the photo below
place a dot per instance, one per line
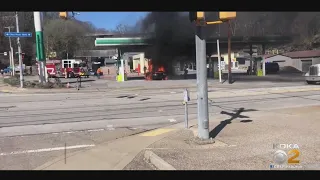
(303, 25)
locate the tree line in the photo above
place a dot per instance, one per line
(60, 36)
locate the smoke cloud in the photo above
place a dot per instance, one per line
(173, 32)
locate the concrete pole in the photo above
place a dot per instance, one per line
(12, 61)
(219, 60)
(118, 59)
(202, 85)
(19, 51)
(142, 63)
(251, 63)
(122, 69)
(11, 51)
(40, 46)
(229, 54)
(263, 60)
(210, 70)
(263, 66)
(46, 77)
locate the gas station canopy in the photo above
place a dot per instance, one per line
(120, 41)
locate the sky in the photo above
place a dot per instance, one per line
(109, 20)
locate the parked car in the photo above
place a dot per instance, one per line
(272, 67)
(7, 70)
(160, 75)
(91, 72)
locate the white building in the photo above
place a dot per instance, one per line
(299, 60)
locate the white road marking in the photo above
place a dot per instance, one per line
(47, 149)
(173, 92)
(172, 120)
(110, 127)
(95, 130)
(160, 110)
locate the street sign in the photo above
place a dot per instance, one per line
(223, 65)
(5, 53)
(18, 34)
(52, 54)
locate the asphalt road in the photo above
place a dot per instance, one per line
(35, 128)
(240, 82)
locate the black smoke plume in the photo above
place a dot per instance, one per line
(173, 34)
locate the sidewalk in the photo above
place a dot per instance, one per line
(243, 143)
(114, 155)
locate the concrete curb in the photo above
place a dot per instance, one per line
(155, 160)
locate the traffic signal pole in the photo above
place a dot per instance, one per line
(40, 45)
(202, 85)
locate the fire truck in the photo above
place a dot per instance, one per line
(59, 68)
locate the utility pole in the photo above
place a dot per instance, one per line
(11, 52)
(40, 46)
(219, 60)
(202, 85)
(229, 53)
(219, 56)
(19, 51)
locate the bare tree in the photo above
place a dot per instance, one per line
(123, 29)
(67, 36)
(234, 26)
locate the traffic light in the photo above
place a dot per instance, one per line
(63, 15)
(200, 15)
(227, 15)
(196, 15)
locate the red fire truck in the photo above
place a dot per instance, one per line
(58, 68)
